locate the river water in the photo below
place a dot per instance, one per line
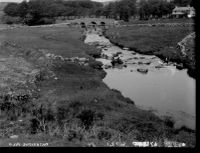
(162, 88)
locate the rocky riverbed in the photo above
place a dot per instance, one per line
(149, 81)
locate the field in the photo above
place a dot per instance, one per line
(156, 21)
(158, 40)
(46, 98)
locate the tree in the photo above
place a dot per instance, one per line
(42, 11)
(144, 9)
(23, 9)
(110, 10)
(12, 9)
(124, 9)
(98, 12)
(155, 8)
(192, 3)
(132, 6)
(183, 2)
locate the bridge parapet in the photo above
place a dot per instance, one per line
(93, 21)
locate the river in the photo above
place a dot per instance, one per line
(162, 88)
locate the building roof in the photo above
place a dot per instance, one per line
(183, 8)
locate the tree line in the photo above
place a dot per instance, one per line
(37, 12)
(45, 11)
(155, 9)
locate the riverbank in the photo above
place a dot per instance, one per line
(52, 91)
(156, 40)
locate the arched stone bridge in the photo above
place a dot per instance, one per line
(93, 21)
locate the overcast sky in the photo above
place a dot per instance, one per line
(21, 0)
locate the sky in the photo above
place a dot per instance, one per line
(21, 0)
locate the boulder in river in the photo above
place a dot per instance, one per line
(105, 56)
(140, 63)
(116, 61)
(125, 48)
(147, 63)
(179, 66)
(14, 136)
(117, 54)
(170, 63)
(159, 66)
(129, 101)
(83, 59)
(107, 66)
(153, 57)
(145, 71)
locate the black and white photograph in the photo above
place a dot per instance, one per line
(98, 73)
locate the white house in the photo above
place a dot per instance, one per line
(179, 12)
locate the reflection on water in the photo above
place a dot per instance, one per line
(164, 89)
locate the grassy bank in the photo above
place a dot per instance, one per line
(65, 103)
(156, 40)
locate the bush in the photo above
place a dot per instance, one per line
(11, 20)
(11, 9)
(74, 135)
(104, 135)
(169, 122)
(95, 64)
(185, 137)
(30, 20)
(42, 114)
(87, 118)
(46, 21)
(95, 54)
